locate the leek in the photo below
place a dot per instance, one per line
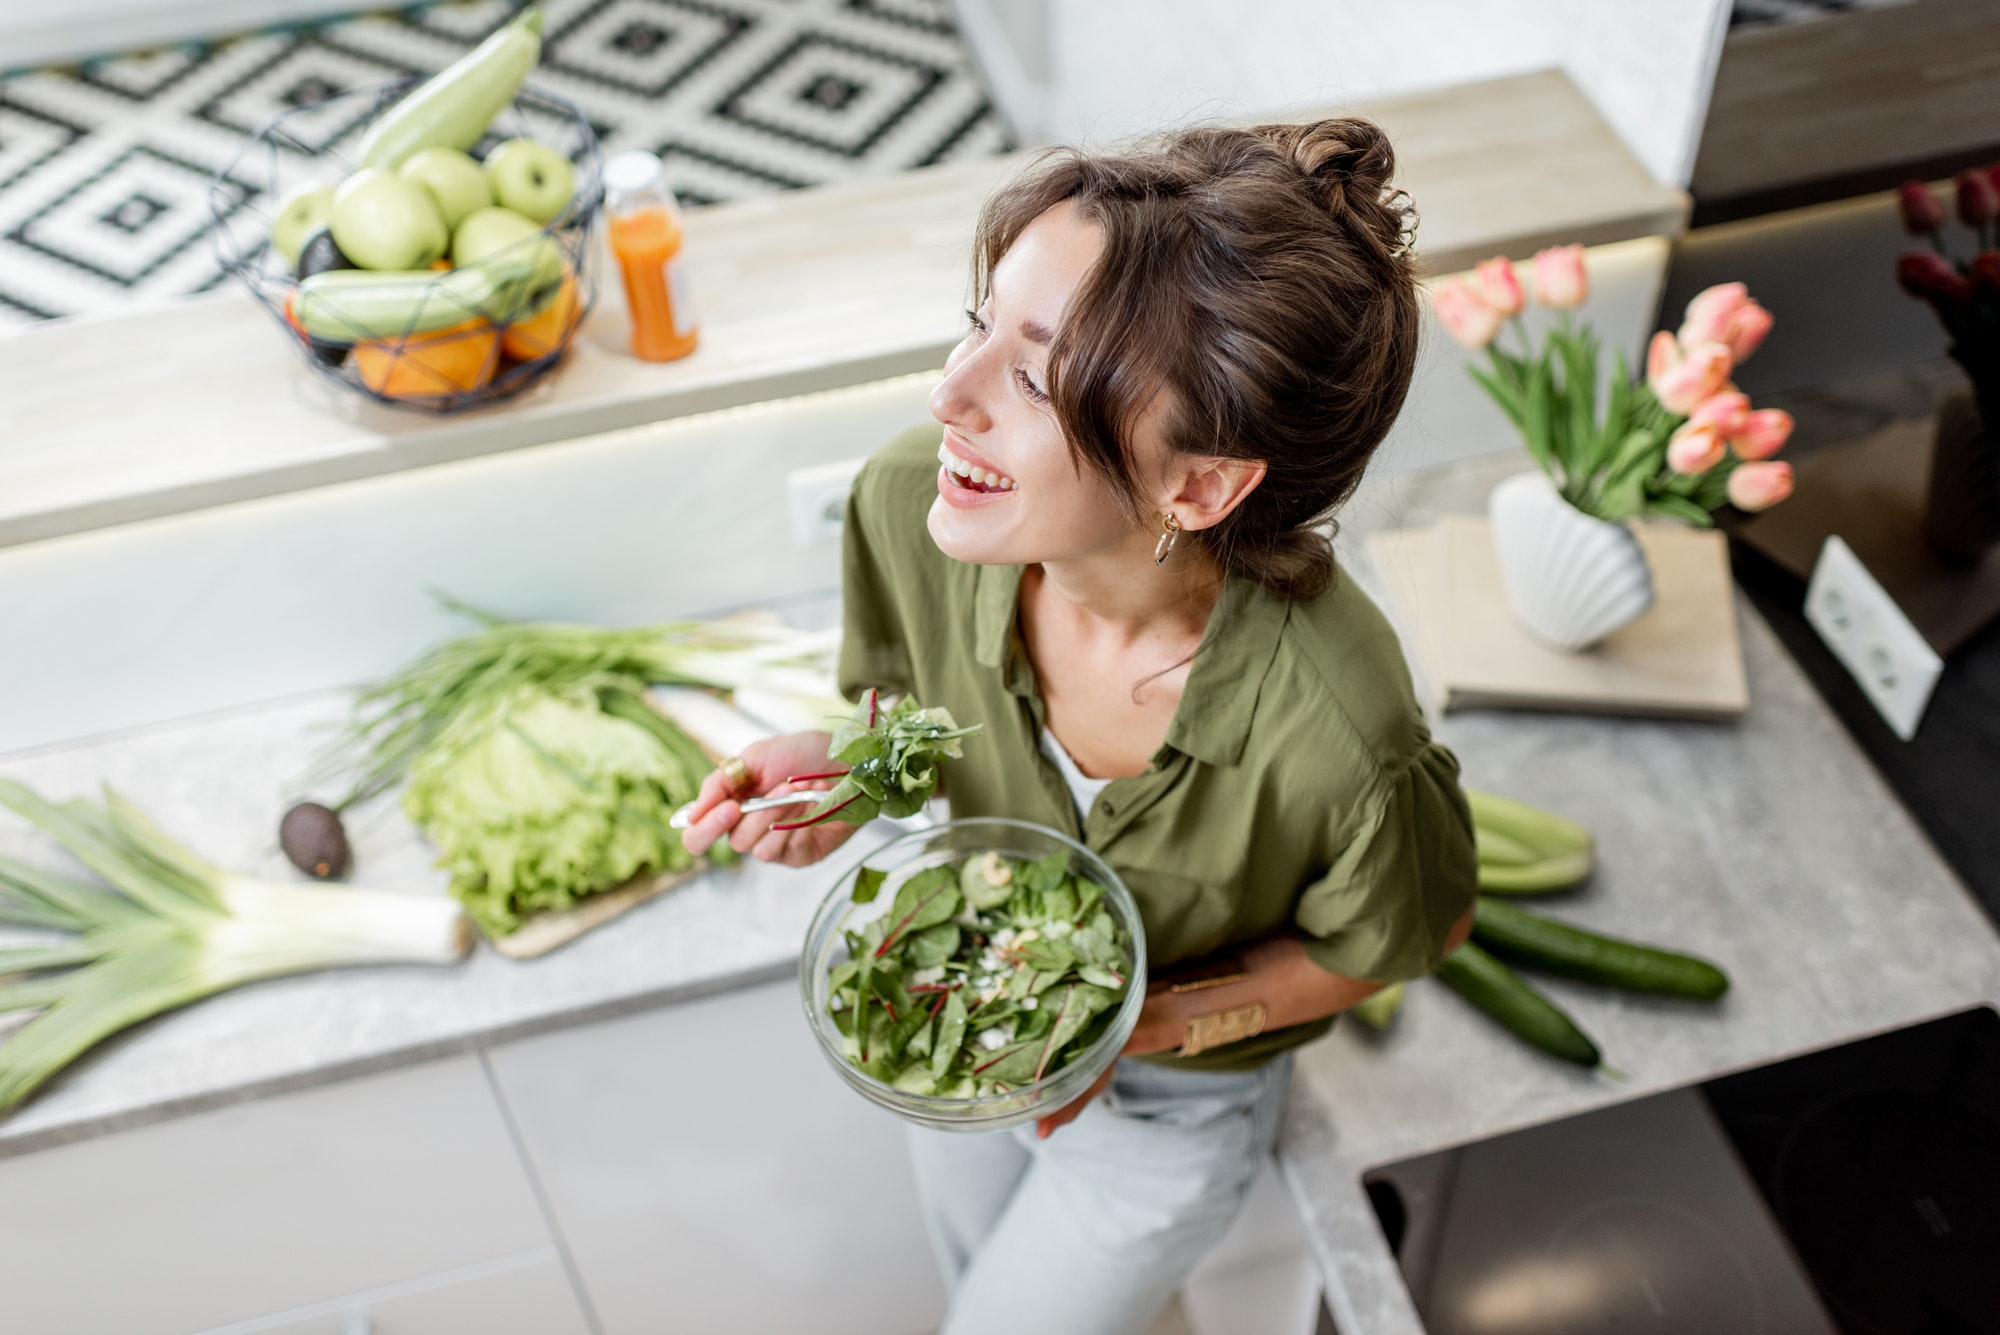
(163, 928)
(400, 718)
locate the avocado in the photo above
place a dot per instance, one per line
(315, 841)
(318, 255)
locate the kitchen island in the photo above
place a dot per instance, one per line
(1768, 845)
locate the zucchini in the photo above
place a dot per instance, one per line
(1524, 850)
(453, 107)
(1500, 992)
(342, 305)
(1563, 949)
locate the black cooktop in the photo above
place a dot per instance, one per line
(1854, 1191)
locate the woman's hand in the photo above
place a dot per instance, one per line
(1160, 1029)
(1292, 988)
(770, 762)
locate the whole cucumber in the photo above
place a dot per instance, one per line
(343, 305)
(1500, 992)
(453, 107)
(1559, 948)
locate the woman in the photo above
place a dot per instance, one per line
(1111, 550)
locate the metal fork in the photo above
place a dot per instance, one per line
(680, 819)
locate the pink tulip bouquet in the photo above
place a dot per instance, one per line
(1681, 443)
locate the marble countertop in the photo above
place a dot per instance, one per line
(1769, 845)
(220, 784)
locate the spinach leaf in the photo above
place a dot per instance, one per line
(982, 975)
(892, 755)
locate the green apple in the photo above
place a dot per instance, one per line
(300, 213)
(381, 221)
(456, 183)
(497, 237)
(530, 178)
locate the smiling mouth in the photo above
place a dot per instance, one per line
(973, 478)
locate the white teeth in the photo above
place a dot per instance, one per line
(979, 476)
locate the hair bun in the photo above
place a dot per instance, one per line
(1349, 164)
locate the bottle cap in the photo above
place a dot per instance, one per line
(631, 172)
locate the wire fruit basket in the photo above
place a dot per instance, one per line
(465, 342)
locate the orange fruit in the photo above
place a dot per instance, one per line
(543, 332)
(443, 361)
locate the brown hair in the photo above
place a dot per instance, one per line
(1263, 275)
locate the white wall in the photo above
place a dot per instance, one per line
(1117, 67)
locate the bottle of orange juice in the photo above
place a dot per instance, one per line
(646, 238)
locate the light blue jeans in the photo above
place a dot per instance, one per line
(1091, 1231)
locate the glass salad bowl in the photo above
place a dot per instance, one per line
(950, 845)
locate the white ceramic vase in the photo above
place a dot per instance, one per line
(1571, 579)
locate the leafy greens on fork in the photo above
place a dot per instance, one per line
(893, 755)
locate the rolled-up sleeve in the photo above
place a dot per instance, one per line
(1383, 911)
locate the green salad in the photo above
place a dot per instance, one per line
(985, 975)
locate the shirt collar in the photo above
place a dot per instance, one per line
(1220, 699)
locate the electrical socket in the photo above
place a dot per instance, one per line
(1895, 666)
(818, 499)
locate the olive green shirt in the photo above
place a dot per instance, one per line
(1298, 788)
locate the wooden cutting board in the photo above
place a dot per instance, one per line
(541, 933)
(717, 729)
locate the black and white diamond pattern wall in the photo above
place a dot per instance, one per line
(104, 169)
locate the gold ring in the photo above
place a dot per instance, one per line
(738, 773)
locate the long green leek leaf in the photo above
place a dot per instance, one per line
(170, 929)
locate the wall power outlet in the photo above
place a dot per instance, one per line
(818, 499)
(1868, 633)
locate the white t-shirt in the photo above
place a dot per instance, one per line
(1083, 789)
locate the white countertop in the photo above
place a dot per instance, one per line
(109, 419)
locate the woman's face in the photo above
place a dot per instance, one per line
(1009, 492)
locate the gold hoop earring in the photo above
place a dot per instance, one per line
(1165, 546)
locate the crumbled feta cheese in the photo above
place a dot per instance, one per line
(1003, 938)
(1030, 1003)
(925, 977)
(992, 1039)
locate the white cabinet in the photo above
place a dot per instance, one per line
(274, 1205)
(709, 1173)
(533, 1298)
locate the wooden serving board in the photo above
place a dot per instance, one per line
(1681, 659)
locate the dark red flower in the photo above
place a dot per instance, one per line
(1984, 272)
(1978, 200)
(1930, 277)
(1923, 273)
(1921, 210)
